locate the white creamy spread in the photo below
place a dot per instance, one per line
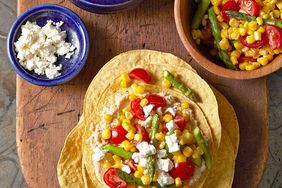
(99, 154)
(38, 47)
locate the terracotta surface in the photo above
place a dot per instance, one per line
(45, 115)
(183, 19)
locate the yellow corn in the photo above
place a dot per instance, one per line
(187, 151)
(186, 116)
(146, 180)
(166, 84)
(128, 115)
(276, 51)
(116, 122)
(250, 39)
(117, 159)
(263, 52)
(276, 13)
(140, 168)
(261, 29)
(179, 158)
(263, 61)
(124, 76)
(121, 117)
(257, 35)
(187, 136)
(131, 97)
(133, 149)
(106, 134)
(234, 60)
(235, 53)
(178, 182)
(155, 178)
(138, 137)
(224, 44)
(144, 102)
(130, 135)
(252, 66)
(127, 109)
(238, 45)
(108, 118)
(129, 146)
(162, 145)
(196, 34)
(216, 3)
(243, 65)
(219, 18)
(224, 33)
(107, 164)
(138, 174)
(259, 20)
(233, 22)
(235, 34)
(243, 31)
(279, 5)
(160, 136)
(123, 83)
(139, 90)
(224, 25)
(185, 105)
(167, 117)
(216, 9)
(133, 86)
(269, 57)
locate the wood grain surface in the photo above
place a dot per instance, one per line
(45, 115)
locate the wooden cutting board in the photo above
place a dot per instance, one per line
(45, 115)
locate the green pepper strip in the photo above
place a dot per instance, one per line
(118, 151)
(197, 161)
(155, 129)
(243, 16)
(201, 142)
(200, 12)
(179, 85)
(217, 37)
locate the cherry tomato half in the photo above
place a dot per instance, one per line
(142, 130)
(137, 109)
(183, 170)
(179, 120)
(256, 44)
(274, 36)
(229, 5)
(251, 7)
(118, 135)
(242, 59)
(156, 100)
(164, 128)
(140, 74)
(113, 180)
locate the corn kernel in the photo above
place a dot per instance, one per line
(178, 182)
(166, 84)
(179, 158)
(276, 13)
(133, 149)
(238, 45)
(106, 134)
(219, 18)
(138, 137)
(216, 3)
(187, 151)
(235, 34)
(160, 136)
(251, 67)
(128, 115)
(138, 174)
(188, 137)
(242, 31)
(185, 105)
(216, 9)
(245, 49)
(186, 116)
(127, 109)
(130, 135)
(224, 33)
(126, 121)
(155, 178)
(108, 118)
(124, 76)
(224, 44)
(117, 165)
(167, 117)
(117, 159)
(131, 97)
(263, 61)
(121, 117)
(133, 86)
(140, 168)
(276, 51)
(144, 102)
(269, 57)
(257, 35)
(107, 164)
(250, 39)
(234, 60)
(235, 53)
(129, 146)
(233, 22)
(162, 145)
(139, 90)
(243, 65)
(279, 5)
(126, 126)
(124, 83)
(224, 25)
(146, 180)
(177, 132)
(259, 20)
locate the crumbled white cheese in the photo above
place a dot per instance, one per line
(126, 169)
(171, 125)
(171, 110)
(38, 47)
(99, 154)
(146, 149)
(147, 122)
(140, 159)
(162, 153)
(148, 109)
(172, 143)
(165, 179)
(164, 164)
(159, 111)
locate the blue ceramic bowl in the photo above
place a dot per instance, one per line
(105, 6)
(76, 34)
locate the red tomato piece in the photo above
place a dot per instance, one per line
(274, 36)
(118, 135)
(164, 128)
(179, 120)
(140, 74)
(183, 170)
(137, 109)
(244, 58)
(229, 5)
(113, 180)
(256, 44)
(156, 100)
(251, 7)
(132, 165)
(142, 130)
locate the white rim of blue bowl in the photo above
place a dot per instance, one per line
(14, 61)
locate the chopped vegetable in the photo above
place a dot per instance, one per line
(155, 129)
(113, 179)
(156, 100)
(118, 135)
(118, 151)
(179, 85)
(142, 130)
(202, 144)
(256, 44)
(137, 109)
(251, 7)
(183, 170)
(217, 36)
(274, 36)
(140, 74)
(202, 8)
(151, 166)
(229, 5)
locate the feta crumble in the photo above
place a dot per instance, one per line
(162, 153)
(38, 47)
(126, 169)
(165, 179)
(171, 125)
(172, 143)
(99, 154)
(146, 149)
(164, 164)
(148, 109)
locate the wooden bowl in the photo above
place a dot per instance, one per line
(183, 12)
